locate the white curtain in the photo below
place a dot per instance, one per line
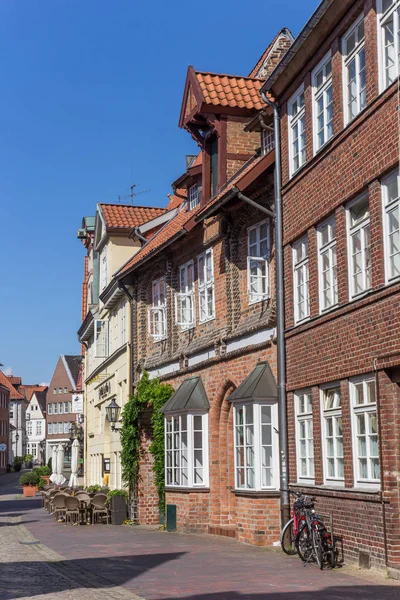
(73, 481)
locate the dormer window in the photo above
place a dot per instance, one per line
(193, 196)
(267, 140)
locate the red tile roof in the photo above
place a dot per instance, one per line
(126, 216)
(228, 90)
(29, 390)
(174, 200)
(14, 380)
(14, 395)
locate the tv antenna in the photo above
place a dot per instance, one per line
(132, 193)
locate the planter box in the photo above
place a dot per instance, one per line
(29, 491)
(119, 512)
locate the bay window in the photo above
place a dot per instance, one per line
(256, 446)
(365, 431)
(391, 204)
(205, 270)
(359, 247)
(194, 196)
(327, 267)
(297, 131)
(186, 450)
(267, 140)
(184, 299)
(300, 276)
(322, 102)
(304, 435)
(158, 310)
(354, 80)
(101, 338)
(389, 33)
(332, 435)
(257, 262)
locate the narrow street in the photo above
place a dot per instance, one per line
(43, 559)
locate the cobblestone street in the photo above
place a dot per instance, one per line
(45, 560)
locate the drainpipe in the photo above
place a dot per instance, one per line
(254, 204)
(283, 436)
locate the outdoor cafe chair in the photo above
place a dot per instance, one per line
(52, 493)
(84, 504)
(72, 509)
(59, 505)
(99, 507)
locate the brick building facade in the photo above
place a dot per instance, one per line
(203, 317)
(4, 421)
(340, 189)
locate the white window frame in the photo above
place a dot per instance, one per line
(65, 390)
(173, 447)
(66, 427)
(55, 408)
(364, 409)
(50, 408)
(328, 247)
(60, 427)
(361, 228)
(389, 207)
(256, 446)
(101, 343)
(157, 313)
(194, 196)
(104, 268)
(347, 59)
(185, 297)
(304, 416)
(29, 428)
(300, 271)
(39, 428)
(205, 286)
(382, 19)
(335, 413)
(55, 391)
(298, 123)
(317, 95)
(61, 408)
(261, 261)
(123, 321)
(49, 428)
(267, 140)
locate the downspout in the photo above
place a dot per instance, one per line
(254, 204)
(140, 236)
(280, 324)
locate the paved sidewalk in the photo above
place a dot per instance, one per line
(130, 562)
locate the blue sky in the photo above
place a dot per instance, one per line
(90, 99)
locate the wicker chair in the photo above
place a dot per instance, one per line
(52, 493)
(84, 505)
(99, 507)
(59, 505)
(72, 506)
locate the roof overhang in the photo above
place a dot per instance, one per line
(189, 397)
(156, 222)
(85, 332)
(314, 33)
(112, 295)
(259, 386)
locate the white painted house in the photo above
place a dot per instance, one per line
(36, 427)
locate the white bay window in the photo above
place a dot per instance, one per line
(297, 131)
(391, 204)
(332, 435)
(389, 46)
(256, 445)
(184, 299)
(258, 239)
(327, 267)
(194, 196)
(359, 246)
(353, 49)
(205, 269)
(101, 338)
(365, 432)
(186, 450)
(158, 311)
(322, 102)
(304, 436)
(300, 273)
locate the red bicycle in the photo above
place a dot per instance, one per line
(290, 531)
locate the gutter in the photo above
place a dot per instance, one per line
(280, 323)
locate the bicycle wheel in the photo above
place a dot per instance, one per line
(287, 540)
(318, 550)
(303, 543)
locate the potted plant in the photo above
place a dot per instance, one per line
(92, 489)
(29, 481)
(117, 502)
(28, 458)
(41, 483)
(45, 473)
(18, 460)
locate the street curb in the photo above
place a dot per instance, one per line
(76, 576)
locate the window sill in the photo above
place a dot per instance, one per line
(252, 302)
(325, 311)
(301, 321)
(187, 490)
(207, 320)
(257, 493)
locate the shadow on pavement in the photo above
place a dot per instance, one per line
(331, 593)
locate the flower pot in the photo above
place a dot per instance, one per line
(17, 468)
(46, 478)
(118, 510)
(29, 465)
(29, 491)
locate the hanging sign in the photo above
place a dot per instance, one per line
(77, 403)
(3, 447)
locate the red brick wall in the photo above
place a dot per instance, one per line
(4, 418)
(240, 143)
(60, 379)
